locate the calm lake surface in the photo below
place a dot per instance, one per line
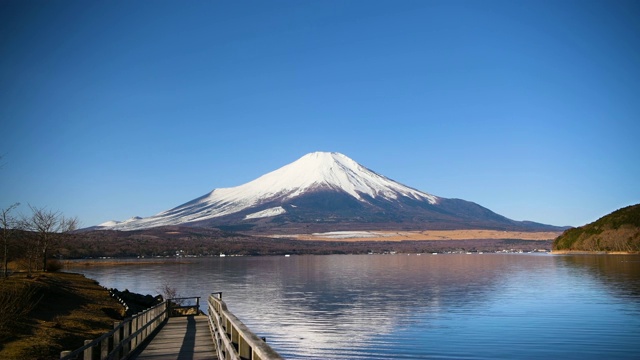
(524, 306)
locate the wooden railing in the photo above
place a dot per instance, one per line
(125, 337)
(234, 340)
(184, 306)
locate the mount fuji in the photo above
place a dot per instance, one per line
(325, 191)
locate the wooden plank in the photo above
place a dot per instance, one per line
(181, 338)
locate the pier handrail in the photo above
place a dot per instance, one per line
(176, 307)
(233, 339)
(124, 338)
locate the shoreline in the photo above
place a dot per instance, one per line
(78, 263)
(84, 263)
(582, 252)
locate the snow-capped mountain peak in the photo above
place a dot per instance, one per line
(318, 171)
(324, 170)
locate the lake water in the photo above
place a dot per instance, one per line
(489, 306)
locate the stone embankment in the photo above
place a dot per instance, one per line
(135, 303)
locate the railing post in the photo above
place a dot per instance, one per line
(157, 316)
(138, 326)
(88, 352)
(134, 330)
(117, 337)
(244, 349)
(165, 309)
(145, 321)
(152, 319)
(65, 353)
(104, 348)
(126, 332)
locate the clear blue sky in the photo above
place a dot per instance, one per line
(110, 109)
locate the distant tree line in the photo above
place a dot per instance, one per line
(180, 242)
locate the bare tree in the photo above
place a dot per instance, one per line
(47, 225)
(8, 223)
(168, 291)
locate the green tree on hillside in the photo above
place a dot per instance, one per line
(617, 231)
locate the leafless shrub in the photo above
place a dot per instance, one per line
(169, 292)
(54, 265)
(16, 301)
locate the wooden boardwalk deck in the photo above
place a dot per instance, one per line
(181, 338)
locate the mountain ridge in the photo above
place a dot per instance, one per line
(323, 190)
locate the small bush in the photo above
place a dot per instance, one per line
(169, 292)
(54, 265)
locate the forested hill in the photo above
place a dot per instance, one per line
(618, 231)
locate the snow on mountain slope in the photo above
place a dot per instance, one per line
(314, 171)
(112, 223)
(275, 211)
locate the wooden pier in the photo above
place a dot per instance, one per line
(178, 332)
(181, 338)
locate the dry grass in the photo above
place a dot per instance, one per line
(71, 309)
(432, 235)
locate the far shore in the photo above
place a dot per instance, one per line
(119, 261)
(384, 235)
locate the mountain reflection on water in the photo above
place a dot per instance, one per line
(409, 306)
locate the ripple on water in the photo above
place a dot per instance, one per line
(410, 307)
